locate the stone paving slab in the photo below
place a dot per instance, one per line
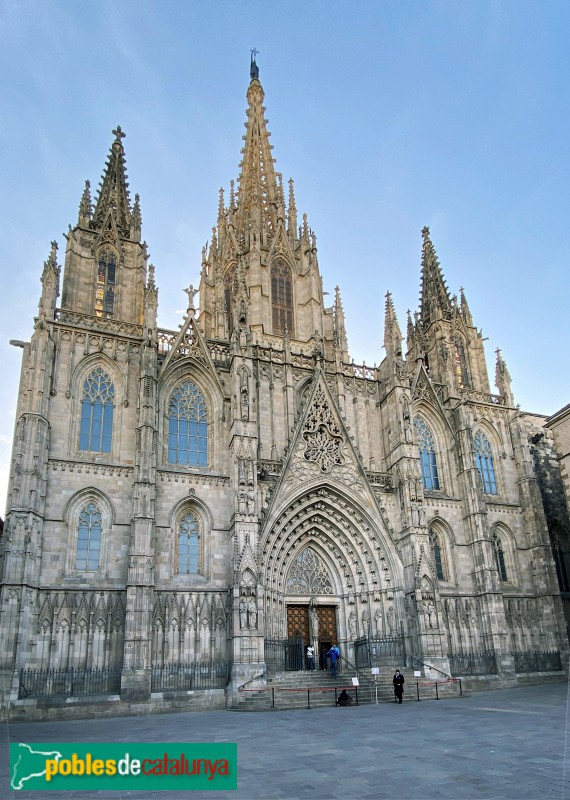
(490, 746)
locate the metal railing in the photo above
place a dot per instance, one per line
(537, 661)
(379, 651)
(191, 675)
(285, 654)
(412, 660)
(482, 662)
(71, 682)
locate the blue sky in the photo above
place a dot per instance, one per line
(388, 115)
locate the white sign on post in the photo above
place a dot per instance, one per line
(417, 674)
(375, 671)
(355, 682)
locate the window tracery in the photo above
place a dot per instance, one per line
(428, 460)
(437, 555)
(97, 409)
(500, 558)
(308, 575)
(281, 297)
(88, 538)
(189, 561)
(484, 462)
(461, 371)
(105, 290)
(188, 427)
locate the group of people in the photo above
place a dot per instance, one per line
(332, 656)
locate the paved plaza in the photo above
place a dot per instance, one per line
(507, 744)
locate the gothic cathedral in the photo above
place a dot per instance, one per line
(206, 495)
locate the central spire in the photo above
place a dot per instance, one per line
(434, 299)
(114, 189)
(258, 191)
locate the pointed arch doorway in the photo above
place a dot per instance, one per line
(310, 604)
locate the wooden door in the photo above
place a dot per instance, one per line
(298, 623)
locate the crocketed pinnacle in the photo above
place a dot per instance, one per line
(85, 207)
(434, 295)
(114, 190)
(392, 332)
(258, 194)
(340, 340)
(503, 378)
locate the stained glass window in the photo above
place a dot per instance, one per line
(188, 427)
(428, 460)
(105, 291)
(500, 558)
(88, 538)
(281, 297)
(97, 408)
(484, 462)
(188, 545)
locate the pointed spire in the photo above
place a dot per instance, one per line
(434, 296)
(464, 309)
(258, 191)
(114, 189)
(50, 284)
(340, 341)
(392, 332)
(411, 332)
(221, 208)
(150, 305)
(85, 207)
(292, 211)
(503, 379)
(136, 220)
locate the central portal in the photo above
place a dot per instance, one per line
(318, 629)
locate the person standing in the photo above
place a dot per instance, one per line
(398, 682)
(310, 658)
(334, 656)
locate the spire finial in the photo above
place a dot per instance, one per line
(253, 68)
(118, 134)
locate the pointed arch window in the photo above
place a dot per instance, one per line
(188, 427)
(88, 538)
(560, 562)
(500, 558)
(437, 555)
(484, 462)
(281, 297)
(105, 290)
(461, 371)
(428, 460)
(97, 409)
(189, 561)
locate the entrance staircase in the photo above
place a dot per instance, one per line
(304, 689)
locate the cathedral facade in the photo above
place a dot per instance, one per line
(202, 496)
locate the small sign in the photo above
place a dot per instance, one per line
(375, 670)
(355, 682)
(417, 674)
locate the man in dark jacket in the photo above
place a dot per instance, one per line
(334, 655)
(398, 682)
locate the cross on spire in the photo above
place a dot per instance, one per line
(118, 133)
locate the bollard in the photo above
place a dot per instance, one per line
(273, 697)
(436, 692)
(418, 690)
(308, 698)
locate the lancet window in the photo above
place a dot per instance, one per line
(188, 427)
(229, 281)
(281, 297)
(97, 409)
(105, 290)
(88, 538)
(437, 555)
(484, 462)
(428, 460)
(189, 561)
(500, 558)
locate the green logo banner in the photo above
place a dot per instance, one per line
(106, 767)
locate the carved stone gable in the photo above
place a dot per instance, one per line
(322, 435)
(308, 575)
